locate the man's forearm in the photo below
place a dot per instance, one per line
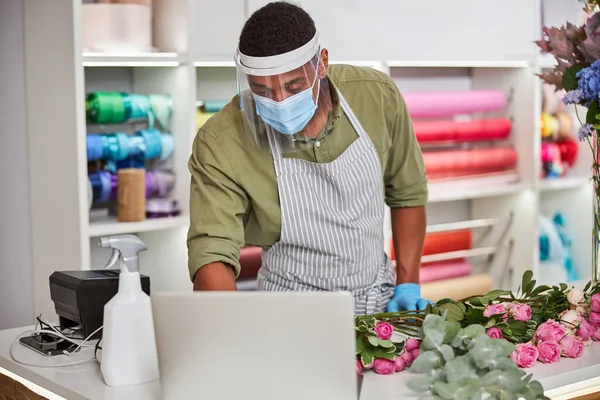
(408, 229)
(215, 276)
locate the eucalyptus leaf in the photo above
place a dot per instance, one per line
(447, 352)
(502, 363)
(455, 313)
(540, 289)
(420, 385)
(475, 316)
(426, 361)
(468, 388)
(429, 396)
(460, 368)
(445, 390)
(437, 374)
(445, 301)
(433, 340)
(490, 323)
(477, 301)
(450, 331)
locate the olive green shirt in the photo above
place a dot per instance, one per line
(233, 198)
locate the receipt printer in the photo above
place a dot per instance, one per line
(79, 297)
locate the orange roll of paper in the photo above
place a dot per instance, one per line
(461, 163)
(457, 288)
(131, 195)
(442, 242)
(462, 131)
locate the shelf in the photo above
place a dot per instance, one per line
(564, 183)
(214, 64)
(475, 188)
(112, 227)
(546, 61)
(132, 60)
(458, 64)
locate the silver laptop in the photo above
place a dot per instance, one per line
(256, 345)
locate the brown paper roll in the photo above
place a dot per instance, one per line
(457, 288)
(131, 195)
(141, 2)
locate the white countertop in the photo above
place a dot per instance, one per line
(84, 382)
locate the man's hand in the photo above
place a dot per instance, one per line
(215, 276)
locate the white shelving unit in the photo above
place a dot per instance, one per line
(196, 40)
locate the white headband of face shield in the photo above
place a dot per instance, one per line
(281, 63)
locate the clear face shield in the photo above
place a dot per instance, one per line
(279, 96)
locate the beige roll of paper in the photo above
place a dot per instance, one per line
(131, 195)
(457, 288)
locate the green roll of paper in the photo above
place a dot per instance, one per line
(213, 106)
(105, 107)
(162, 108)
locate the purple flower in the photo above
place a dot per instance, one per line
(589, 82)
(585, 131)
(573, 97)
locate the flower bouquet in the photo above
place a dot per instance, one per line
(481, 345)
(577, 53)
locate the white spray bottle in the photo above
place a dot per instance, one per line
(129, 354)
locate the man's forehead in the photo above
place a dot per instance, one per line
(299, 72)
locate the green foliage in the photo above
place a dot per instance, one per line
(465, 364)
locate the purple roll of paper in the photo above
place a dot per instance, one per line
(158, 184)
(447, 104)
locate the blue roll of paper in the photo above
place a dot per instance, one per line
(95, 147)
(101, 186)
(153, 142)
(167, 145)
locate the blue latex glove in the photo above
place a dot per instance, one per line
(407, 297)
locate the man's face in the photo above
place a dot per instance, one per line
(280, 87)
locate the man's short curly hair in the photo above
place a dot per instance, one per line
(275, 29)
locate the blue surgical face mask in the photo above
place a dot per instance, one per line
(289, 116)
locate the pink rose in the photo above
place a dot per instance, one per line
(594, 319)
(415, 353)
(583, 310)
(524, 355)
(408, 358)
(399, 364)
(550, 352)
(359, 367)
(520, 312)
(494, 309)
(585, 331)
(494, 332)
(595, 303)
(384, 367)
(596, 336)
(572, 347)
(412, 344)
(550, 330)
(575, 296)
(384, 330)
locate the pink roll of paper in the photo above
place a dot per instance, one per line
(462, 163)
(462, 131)
(445, 270)
(445, 104)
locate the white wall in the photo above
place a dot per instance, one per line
(16, 270)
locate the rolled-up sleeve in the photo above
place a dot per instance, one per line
(404, 176)
(217, 206)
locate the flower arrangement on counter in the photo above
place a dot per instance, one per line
(482, 344)
(577, 53)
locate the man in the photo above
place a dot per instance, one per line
(301, 163)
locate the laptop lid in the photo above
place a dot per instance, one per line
(256, 345)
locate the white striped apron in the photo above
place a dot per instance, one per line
(331, 225)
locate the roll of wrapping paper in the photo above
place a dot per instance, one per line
(445, 242)
(250, 262)
(162, 208)
(131, 195)
(445, 270)
(167, 145)
(214, 106)
(101, 186)
(105, 107)
(462, 131)
(463, 163)
(162, 108)
(457, 288)
(202, 117)
(445, 104)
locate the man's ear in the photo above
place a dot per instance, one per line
(324, 64)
